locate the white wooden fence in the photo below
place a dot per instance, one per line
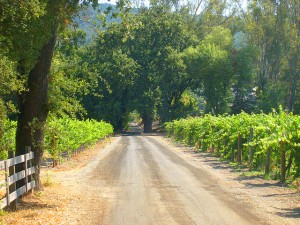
(11, 194)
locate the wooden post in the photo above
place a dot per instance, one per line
(53, 146)
(239, 159)
(232, 152)
(282, 163)
(59, 157)
(26, 173)
(7, 183)
(225, 149)
(12, 187)
(268, 161)
(251, 151)
(29, 178)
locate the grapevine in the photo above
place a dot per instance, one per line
(61, 135)
(268, 142)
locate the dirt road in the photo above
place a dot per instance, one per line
(138, 180)
(144, 180)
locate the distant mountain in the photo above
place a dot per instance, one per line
(239, 40)
(88, 19)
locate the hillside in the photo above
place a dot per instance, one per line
(88, 19)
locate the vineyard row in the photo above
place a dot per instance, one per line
(264, 142)
(61, 135)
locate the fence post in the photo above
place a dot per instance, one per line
(59, 157)
(232, 153)
(7, 183)
(251, 152)
(12, 187)
(26, 173)
(225, 149)
(268, 161)
(53, 146)
(239, 159)
(282, 163)
(29, 178)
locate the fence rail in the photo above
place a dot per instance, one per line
(9, 184)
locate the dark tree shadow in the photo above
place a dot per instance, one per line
(23, 205)
(289, 213)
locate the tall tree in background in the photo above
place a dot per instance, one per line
(154, 46)
(114, 72)
(173, 84)
(273, 27)
(290, 24)
(210, 68)
(141, 68)
(243, 62)
(265, 32)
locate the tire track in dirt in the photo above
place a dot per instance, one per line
(167, 192)
(138, 180)
(204, 201)
(142, 193)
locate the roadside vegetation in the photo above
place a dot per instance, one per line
(61, 135)
(267, 143)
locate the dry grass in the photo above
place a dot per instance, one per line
(48, 206)
(39, 208)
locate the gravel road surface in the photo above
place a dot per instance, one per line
(140, 181)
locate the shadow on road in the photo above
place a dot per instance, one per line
(138, 131)
(290, 213)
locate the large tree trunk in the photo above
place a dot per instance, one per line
(33, 109)
(147, 120)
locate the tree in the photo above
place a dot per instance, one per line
(30, 31)
(273, 27)
(188, 105)
(12, 22)
(264, 29)
(66, 83)
(9, 84)
(290, 26)
(243, 61)
(112, 73)
(155, 46)
(140, 67)
(211, 70)
(115, 73)
(171, 103)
